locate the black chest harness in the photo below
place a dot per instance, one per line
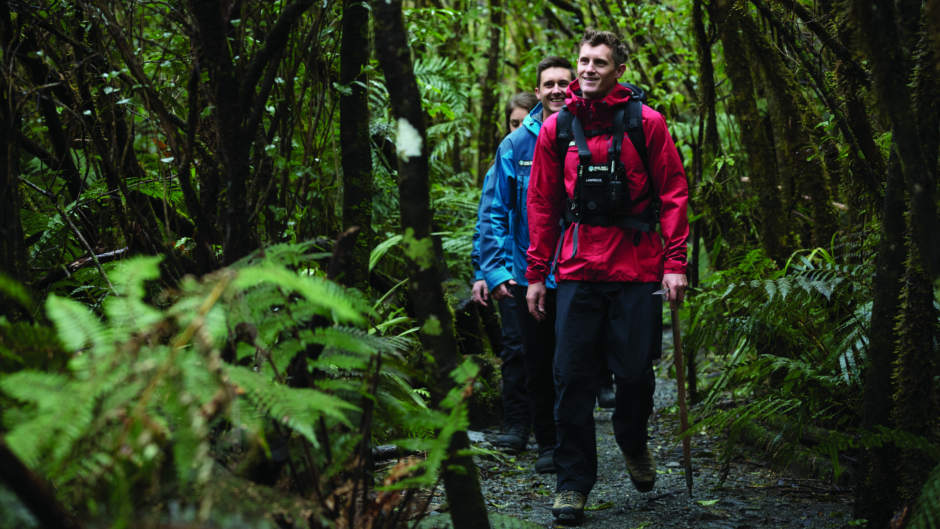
(601, 192)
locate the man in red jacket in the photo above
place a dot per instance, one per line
(598, 232)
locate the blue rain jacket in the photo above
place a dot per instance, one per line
(502, 221)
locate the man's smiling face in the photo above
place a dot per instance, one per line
(551, 89)
(597, 72)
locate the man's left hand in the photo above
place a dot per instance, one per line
(675, 285)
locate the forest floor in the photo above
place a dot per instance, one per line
(743, 493)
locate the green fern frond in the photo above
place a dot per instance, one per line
(127, 315)
(77, 326)
(328, 297)
(188, 313)
(297, 408)
(382, 248)
(926, 513)
(354, 340)
(291, 255)
(128, 276)
(63, 411)
(34, 387)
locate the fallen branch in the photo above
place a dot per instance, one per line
(65, 271)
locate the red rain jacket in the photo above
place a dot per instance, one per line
(606, 253)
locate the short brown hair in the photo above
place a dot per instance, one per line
(552, 61)
(610, 39)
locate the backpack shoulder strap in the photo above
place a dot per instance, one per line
(633, 125)
(563, 134)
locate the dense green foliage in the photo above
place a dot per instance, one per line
(792, 343)
(150, 400)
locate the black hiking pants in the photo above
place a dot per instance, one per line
(538, 340)
(517, 415)
(617, 324)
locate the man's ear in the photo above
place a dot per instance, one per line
(620, 69)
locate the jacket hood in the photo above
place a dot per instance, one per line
(533, 122)
(577, 103)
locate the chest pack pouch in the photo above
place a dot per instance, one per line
(601, 194)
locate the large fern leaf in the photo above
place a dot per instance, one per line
(331, 299)
(77, 326)
(297, 408)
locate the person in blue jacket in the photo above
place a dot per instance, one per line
(517, 108)
(516, 406)
(504, 239)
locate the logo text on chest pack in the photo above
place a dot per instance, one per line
(525, 163)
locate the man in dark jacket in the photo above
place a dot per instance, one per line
(607, 269)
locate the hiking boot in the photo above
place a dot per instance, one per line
(642, 470)
(513, 441)
(568, 508)
(545, 464)
(606, 398)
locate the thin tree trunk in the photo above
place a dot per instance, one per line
(12, 244)
(489, 130)
(709, 146)
(49, 83)
(214, 54)
(468, 510)
(877, 490)
(354, 138)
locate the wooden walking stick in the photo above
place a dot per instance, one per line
(683, 407)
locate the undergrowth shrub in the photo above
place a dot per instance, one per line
(134, 403)
(789, 345)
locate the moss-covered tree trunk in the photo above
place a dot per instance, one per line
(801, 173)
(913, 118)
(756, 135)
(468, 510)
(708, 147)
(358, 187)
(877, 490)
(893, 70)
(916, 370)
(900, 55)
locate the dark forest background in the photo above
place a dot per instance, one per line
(235, 241)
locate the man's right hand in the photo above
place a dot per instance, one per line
(479, 293)
(535, 298)
(503, 291)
